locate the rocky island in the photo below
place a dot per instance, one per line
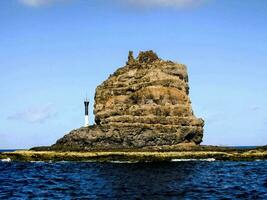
(143, 104)
(142, 113)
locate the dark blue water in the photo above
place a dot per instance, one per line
(8, 150)
(173, 180)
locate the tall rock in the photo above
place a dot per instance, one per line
(143, 104)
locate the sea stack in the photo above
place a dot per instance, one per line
(143, 104)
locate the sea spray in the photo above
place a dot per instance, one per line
(6, 160)
(185, 160)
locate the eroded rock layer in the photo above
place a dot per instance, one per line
(144, 103)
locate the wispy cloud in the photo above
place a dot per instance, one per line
(34, 114)
(38, 3)
(166, 3)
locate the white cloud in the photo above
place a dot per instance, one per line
(38, 3)
(34, 114)
(166, 3)
(138, 3)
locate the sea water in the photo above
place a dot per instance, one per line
(206, 179)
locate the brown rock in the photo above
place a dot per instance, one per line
(144, 103)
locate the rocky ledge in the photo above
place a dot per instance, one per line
(205, 153)
(143, 104)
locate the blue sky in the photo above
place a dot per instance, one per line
(53, 52)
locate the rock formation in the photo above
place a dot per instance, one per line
(143, 104)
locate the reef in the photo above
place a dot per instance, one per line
(204, 153)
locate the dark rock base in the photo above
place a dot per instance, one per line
(131, 136)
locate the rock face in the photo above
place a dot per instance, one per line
(143, 104)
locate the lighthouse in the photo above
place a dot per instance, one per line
(86, 116)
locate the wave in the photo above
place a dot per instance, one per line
(6, 160)
(192, 159)
(118, 161)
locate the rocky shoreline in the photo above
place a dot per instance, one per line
(209, 153)
(143, 113)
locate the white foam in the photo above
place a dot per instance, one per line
(192, 159)
(118, 161)
(6, 160)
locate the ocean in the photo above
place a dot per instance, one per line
(182, 179)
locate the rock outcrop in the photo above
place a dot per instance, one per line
(143, 104)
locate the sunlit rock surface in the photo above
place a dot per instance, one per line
(145, 103)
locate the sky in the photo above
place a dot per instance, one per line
(55, 52)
